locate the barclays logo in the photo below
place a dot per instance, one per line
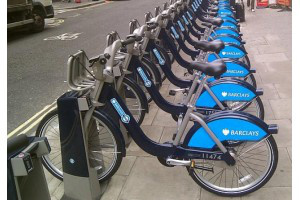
(226, 132)
(235, 71)
(235, 94)
(224, 94)
(231, 53)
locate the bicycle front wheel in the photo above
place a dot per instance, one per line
(105, 146)
(255, 107)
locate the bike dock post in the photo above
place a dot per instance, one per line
(80, 179)
(25, 175)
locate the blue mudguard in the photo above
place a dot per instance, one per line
(225, 30)
(235, 68)
(230, 51)
(227, 90)
(229, 18)
(225, 11)
(229, 24)
(227, 126)
(227, 39)
(232, 64)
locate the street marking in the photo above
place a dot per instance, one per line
(76, 15)
(65, 36)
(54, 22)
(60, 11)
(31, 119)
(37, 121)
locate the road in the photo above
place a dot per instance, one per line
(37, 67)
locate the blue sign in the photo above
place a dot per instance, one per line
(185, 20)
(227, 129)
(180, 25)
(147, 82)
(124, 117)
(174, 32)
(190, 16)
(225, 92)
(158, 56)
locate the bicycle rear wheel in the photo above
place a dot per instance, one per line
(256, 162)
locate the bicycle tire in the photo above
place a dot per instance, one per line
(106, 121)
(138, 92)
(260, 183)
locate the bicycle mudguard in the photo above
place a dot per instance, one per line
(228, 126)
(229, 18)
(225, 11)
(229, 24)
(226, 38)
(225, 30)
(235, 68)
(227, 90)
(230, 51)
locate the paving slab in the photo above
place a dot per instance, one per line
(269, 114)
(164, 119)
(153, 109)
(205, 195)
(270, 57)
(270, 91)
(53, 185)
(284, 91)
(150, 180)
(59, 192)
(274, 193)
(126, 165)
(284, 136)
(114, 188)
(283, 174)
(268, 49)
(282, 108)
(289, 150)
(254, 41)
(283, 77)
(272, 37)
(278, 67)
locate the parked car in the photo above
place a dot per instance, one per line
(31, 13)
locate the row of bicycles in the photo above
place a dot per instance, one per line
(229, 150)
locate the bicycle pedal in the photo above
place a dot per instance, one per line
(195, 166)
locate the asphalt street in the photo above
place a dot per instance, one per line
(37, 68)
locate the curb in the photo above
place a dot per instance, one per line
(82, 6)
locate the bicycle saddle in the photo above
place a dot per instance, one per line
(217, 21)
(214, 46)
(215, 68)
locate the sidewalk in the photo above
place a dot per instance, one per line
(141, 177)
(61, 5)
